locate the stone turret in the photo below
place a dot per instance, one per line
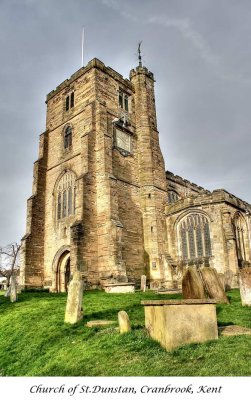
(151, 169)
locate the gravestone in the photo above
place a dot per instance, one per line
(245, 286)
(99, 322)
(212, 284)
(192, 286)
(124, 322)
(234, 330)
(143, 283)
(74, 311)
(175, 323)
(221, 277)
(13, 290)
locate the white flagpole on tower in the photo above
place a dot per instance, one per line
(82, 42)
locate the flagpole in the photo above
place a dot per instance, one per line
(82, 43)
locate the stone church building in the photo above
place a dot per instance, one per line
(102, 202)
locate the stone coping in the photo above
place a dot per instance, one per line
(118, 284)
(177, 302)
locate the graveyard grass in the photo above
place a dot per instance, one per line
(34, 341)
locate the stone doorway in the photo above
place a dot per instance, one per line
(63, 272)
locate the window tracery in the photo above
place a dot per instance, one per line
(172, 196)
(194, 237)
(66, 196)
(123, 100)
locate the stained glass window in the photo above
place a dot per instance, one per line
(194, 237)
(70, 201)
(199, 242)
(183, 236)
(64, 204)
(66, 195)
(59, 205)
(172, 196)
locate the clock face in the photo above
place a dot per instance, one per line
(123, 140)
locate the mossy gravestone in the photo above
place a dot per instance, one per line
(213, 285)
(203, 283)
(124, 322)
(13, 290)
(143, 283)
(192, 286)
(74, 311)
(245, 286)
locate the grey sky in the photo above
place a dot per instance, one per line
(198, 50)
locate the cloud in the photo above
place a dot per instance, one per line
(116, 6)
(185, 27)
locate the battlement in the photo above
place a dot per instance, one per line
(217, 196)
(141, 70)
(94, 63)
(184, 182)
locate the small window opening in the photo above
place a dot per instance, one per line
(67, 102)
(126, 103)
(68, 137)
(72, 99)
(123, 100)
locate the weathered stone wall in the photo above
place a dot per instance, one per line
(32, 244)
(117, 194)
(123, 226)
(182, 186)
(220, 208)
(151, 172)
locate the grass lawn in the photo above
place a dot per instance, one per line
(34, 341)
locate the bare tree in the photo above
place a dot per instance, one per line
(9, 257)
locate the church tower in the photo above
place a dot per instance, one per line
(99, 186)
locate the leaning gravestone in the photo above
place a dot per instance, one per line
(143, 283)
(192, 286)
(213, 284)
(74, 311)
(124, 322)
(13, 290)
(245, 286)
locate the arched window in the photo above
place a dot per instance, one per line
(66, 195)
(68, 137)
(240, 233)
(172, 196)
(194, 237)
